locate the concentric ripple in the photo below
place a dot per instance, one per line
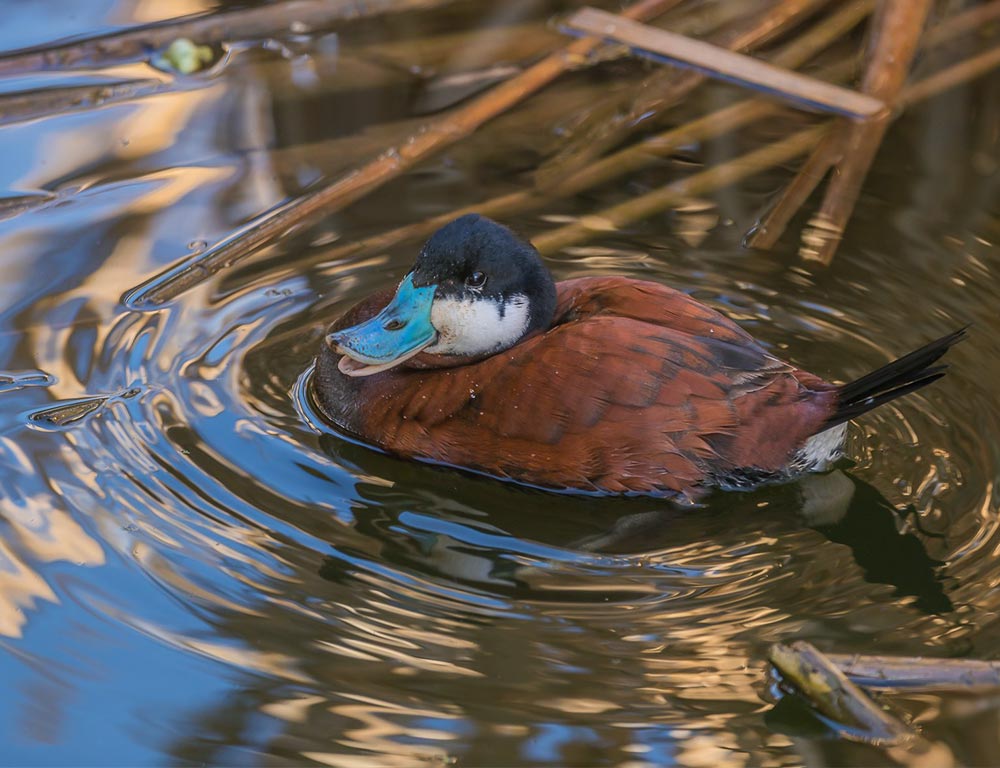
(389, 610)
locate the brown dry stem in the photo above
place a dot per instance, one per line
(193, 270)
(135, 43)
(902, 673)
(716, 177)
(897, 27)
(721, 63)
(609, 125)
(392, 163)
(730, 118)
(834, 696)
(656, 201)
(769, 228)
(28, 105)
(796, 53)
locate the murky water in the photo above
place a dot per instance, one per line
(192, 570)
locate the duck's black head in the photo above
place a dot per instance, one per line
(476, 289)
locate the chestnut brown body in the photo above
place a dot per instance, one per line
(635, 388)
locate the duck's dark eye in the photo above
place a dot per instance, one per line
(476, 280)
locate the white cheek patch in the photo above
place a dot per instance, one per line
(475, 326)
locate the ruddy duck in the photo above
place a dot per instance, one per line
(602, 384)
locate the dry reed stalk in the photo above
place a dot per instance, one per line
(349, 188)
(642, 154)
(897, 27)
(633, 158)
(135, 43)
(393, 62)
(796, 53)
(769, 228)
(967, 21)
(609, 126)
(658, 200)
(657, 91)
(772, 224)
(950, 77)
(901, 673)
(834, 696)
(724, 64)
(468, 49)
(191, 271)
(27, 105)
(724, 174)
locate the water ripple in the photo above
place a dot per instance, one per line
(170, 500)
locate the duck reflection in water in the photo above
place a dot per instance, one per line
(486, 534)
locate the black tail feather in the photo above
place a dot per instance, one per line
(898, 378)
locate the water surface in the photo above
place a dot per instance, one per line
(193, 570)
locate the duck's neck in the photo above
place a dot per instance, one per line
(542, 304)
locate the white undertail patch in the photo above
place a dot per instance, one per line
(476, 326)
(820, 450)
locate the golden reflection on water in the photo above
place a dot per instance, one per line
(20, 587)
(38, 531)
